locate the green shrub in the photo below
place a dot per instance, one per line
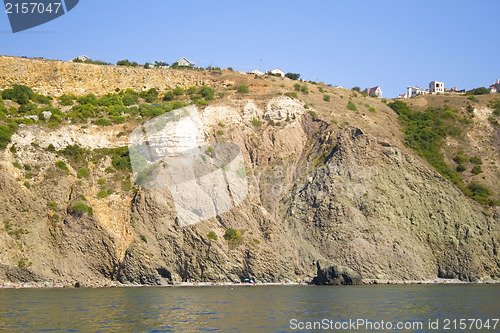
(168, 96)
(24, 121)
(118, 119)
(150, 95)
(372, 109)
(207, 92)
(75, 152)
(127, 63)
(80, 208)
(356, 88)
(110, 99)
(148, 110)
(460, 159)
(42, 99)
(480, 91)
(201, 102)
(304, 90)
(121, 160)
(480, 193)
(61, 165)
(296, 86)
(232, 235)
(196, 97)
(19, 94)
(326, 98)
(191, 90)
(212, 235)
(291, 94)
(27, 109)
(130, 97)
(52, 205)
(27, 185)
(292, 76)
(351, 106)
(87, 99)
(313, 114)
(102, 122)
(178, 91)
(144, 239)
(83, 173)
(102, 194)
(66, 99)
(220, 132)
(256, 122)
(6, 131)
(476, 170)
(476, 160)
(461, 168)
(243, 89)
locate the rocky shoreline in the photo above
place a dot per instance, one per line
(112, 284)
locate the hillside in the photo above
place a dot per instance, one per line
(331, 176)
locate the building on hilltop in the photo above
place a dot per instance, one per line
(495, 87)
(375, 91)
(415, 91)
(277, 71)
(83, 58)
(256, 72)
(454, 90)
(183, 62)
(436, 87)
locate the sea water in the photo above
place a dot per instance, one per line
(439, 308)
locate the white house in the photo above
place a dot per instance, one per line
(83, 58)
(436, 87)
(256, 72)
(495, 87)
(277, 71)
(414, 91)
(374, 91)
(183, 62)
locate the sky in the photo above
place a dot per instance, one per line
(393, 44)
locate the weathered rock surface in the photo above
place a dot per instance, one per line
(331, 274)
(352, 195)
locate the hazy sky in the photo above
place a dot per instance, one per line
(350, 43)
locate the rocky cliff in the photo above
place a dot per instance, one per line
(324, 183)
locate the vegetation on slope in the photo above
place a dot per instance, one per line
(425, 133)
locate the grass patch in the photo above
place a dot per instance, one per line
(212, 235)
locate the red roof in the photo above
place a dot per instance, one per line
(370, 91)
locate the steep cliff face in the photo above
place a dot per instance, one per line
(324, 183)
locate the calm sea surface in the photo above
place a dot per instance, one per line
(248, 309)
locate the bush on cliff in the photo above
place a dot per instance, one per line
(19, 94)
